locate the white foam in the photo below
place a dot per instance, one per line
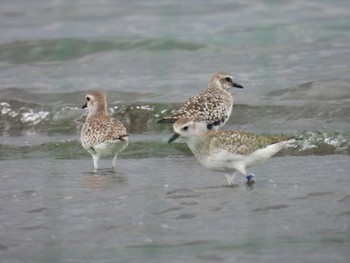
(34, 118)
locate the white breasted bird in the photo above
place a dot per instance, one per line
(228, 151)
(102, 135)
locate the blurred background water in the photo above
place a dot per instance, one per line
(293, 59)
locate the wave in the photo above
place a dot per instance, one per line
(60, 114)
(331, 90)
(69, 48)
(19, 117)
(311, 143)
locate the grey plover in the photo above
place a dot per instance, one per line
(101, 135)
(212, 105)
(228, 151)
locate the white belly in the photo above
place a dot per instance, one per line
(107, 149)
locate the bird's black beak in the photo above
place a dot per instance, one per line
(174, 137)
(84, 106)
(236, 85)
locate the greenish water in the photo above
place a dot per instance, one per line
(161, 205)
(308, 144)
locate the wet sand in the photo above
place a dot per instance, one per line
(174, 210)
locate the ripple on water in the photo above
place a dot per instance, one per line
(182, 193)
(272, 207)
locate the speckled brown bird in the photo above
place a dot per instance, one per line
(212, 105)
(101, 135)
(228, 151)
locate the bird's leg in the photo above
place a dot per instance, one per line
(95, 158)
(230, 178)
(114, 161)
(250, 179)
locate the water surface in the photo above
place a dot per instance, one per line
(293, 59)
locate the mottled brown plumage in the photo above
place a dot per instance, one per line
(102, 135)
(212, 105)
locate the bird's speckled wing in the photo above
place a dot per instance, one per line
(242, 143)
(208, 105)
(99, 130)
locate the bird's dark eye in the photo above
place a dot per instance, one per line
(88, 98)
(228, 79)
(185, 128)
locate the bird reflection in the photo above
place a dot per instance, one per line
(103, 179)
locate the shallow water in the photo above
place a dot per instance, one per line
(293, 59)
(174, 210)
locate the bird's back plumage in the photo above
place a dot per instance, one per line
(101, 129)
(212, 105)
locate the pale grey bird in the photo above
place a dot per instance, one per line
(228, 151)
